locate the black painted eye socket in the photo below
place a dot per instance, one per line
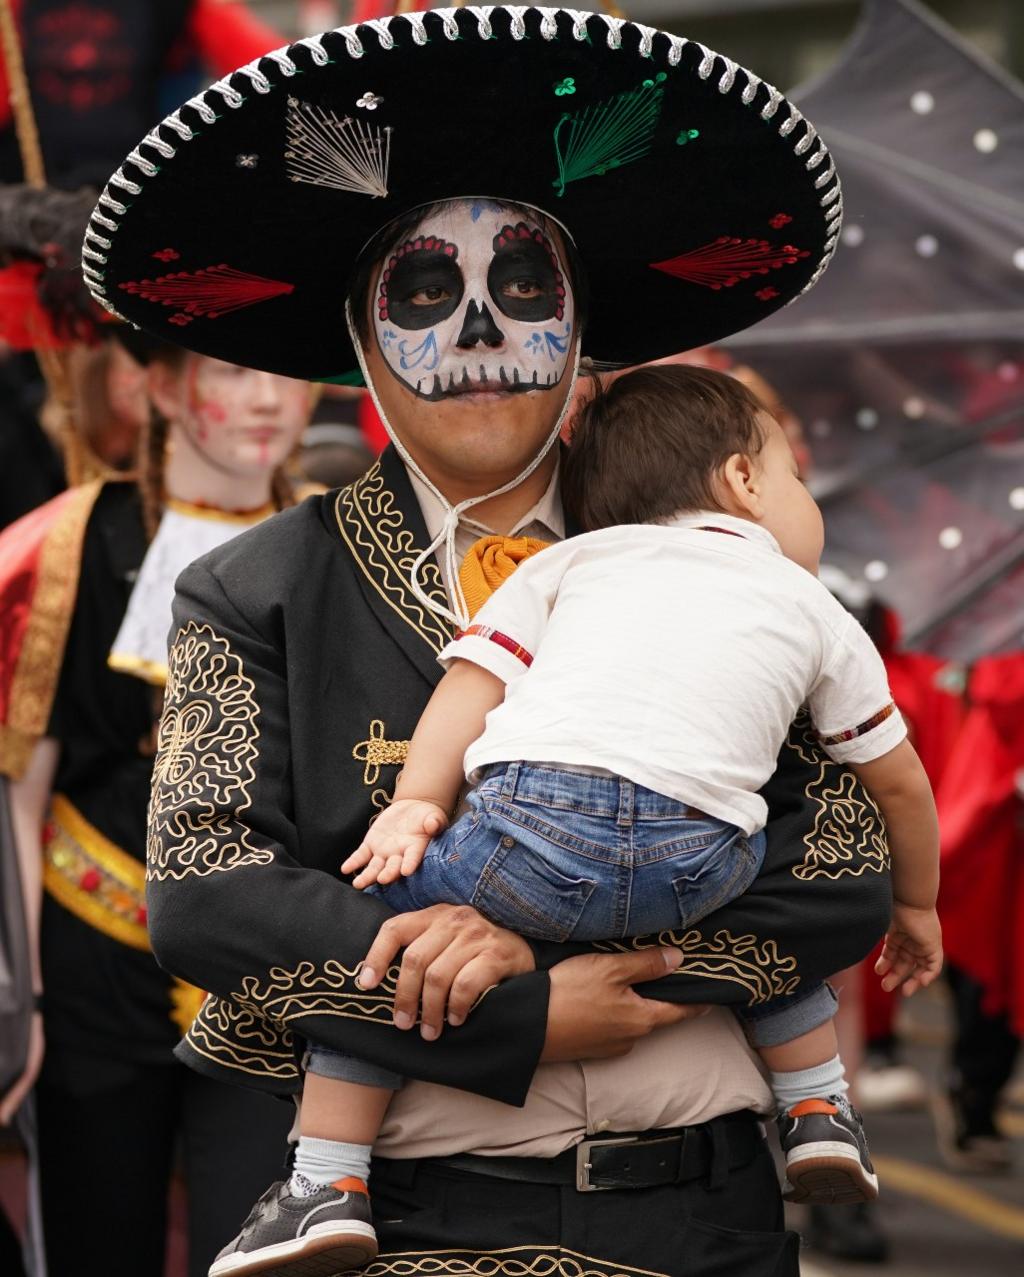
(424, 288)
(523, 281)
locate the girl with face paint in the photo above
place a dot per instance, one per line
(109, 1095)
(229, 429)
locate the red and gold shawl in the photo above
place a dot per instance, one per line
(40, 561)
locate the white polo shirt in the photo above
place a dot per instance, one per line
(676, 656)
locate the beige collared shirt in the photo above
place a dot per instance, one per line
(677, 1076)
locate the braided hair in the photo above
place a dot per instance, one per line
(150, 471)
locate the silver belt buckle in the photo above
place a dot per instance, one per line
(584, 1167)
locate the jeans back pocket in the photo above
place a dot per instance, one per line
(720, 877)
(521, 890)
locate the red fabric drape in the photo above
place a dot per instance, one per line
(981, 813)
(225, 34)
(934, 715)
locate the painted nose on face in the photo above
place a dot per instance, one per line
(479, 326)
(266, 397)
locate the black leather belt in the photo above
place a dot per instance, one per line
(644, 1159)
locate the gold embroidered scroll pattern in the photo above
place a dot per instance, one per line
(848, 834)
(755, 964)
(205, 762)
(374, 530)
(284, 995)
(510, 1261)
(236, 1038)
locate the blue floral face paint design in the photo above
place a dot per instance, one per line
(553, 344)
(424, 356)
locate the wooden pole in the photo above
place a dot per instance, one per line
(21, 103)
(52, 363)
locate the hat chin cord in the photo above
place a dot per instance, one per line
(458, 615)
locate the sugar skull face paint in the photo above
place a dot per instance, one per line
(476, 301)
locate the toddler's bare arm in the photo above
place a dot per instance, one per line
(452, 721)
(912, 953)
(429, 784)
(898, 784)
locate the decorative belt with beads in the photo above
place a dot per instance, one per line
(92, 877)
(106, 888)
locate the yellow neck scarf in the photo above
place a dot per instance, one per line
(490, 561)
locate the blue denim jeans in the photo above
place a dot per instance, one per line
(564, 855)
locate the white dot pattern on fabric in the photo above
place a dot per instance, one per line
(922, 102)
(876, 570)
(926, 245)
(986, 141)
(950, 538)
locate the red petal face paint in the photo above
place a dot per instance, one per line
(213, 411)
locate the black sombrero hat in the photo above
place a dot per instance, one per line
(699, 199)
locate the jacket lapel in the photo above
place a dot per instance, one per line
(380, 521)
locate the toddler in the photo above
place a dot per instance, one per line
(617, 705)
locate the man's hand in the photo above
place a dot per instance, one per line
(394, 844)
(452, 956)
(594, 1011)
(912, 951)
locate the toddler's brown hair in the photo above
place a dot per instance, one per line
(650, 445)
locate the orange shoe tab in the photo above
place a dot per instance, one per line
(351, 1185)
(806, 1107)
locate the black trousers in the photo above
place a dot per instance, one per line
(10, 1249)
(435, 1221)
(985, 1048)
(109, 1131)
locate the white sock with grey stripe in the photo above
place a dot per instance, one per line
(320, 1162)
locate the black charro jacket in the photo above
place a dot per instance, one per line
(300, 664)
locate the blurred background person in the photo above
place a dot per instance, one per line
(82, 697)
(98, 69)
(981, 801)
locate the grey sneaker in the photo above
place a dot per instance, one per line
(287, 1235)
(827, 1159)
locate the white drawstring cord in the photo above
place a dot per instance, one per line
(459, 617)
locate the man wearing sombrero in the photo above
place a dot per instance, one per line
(455, 206)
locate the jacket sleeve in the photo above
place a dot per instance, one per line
(231, 907)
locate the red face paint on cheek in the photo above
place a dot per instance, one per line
(209, 415)
(213, 411)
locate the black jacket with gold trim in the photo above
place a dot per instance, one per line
(300, 665)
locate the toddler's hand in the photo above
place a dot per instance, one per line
(395, 842)
(912, 951)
